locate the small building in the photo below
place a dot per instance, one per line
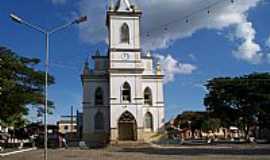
(67, 126)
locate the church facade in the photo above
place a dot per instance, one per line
(123, 94)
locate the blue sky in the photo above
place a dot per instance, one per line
(190, 53)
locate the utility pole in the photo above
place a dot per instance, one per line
(47, 34)
(71, 116)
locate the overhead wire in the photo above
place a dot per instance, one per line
(163, 28)
(186, 18)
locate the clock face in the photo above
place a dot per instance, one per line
(125, 56)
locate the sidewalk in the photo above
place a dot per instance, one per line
(16, 152)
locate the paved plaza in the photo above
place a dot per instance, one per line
(146, 152)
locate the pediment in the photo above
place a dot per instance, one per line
(123, 6)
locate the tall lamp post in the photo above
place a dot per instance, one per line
(47, 34)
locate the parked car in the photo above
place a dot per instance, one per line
(54, 140)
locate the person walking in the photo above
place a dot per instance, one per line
(65, 142)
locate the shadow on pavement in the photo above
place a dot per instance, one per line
(191, 151)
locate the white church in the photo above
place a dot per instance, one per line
(123, 94)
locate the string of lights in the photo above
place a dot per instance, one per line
(187, 18)
(163, 28)
(209, 10)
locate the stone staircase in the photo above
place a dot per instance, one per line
(148, 136)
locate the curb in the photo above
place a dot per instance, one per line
(189, 147)
(16, 152)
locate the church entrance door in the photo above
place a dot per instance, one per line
(127, 127)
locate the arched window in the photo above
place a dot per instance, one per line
(99, 121)
(148, 96)
(126, 92)
(99, 96)
(148, 122)
(124, 33)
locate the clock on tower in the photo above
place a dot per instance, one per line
(123, 24)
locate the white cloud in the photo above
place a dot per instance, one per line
(248, 50)
(171, 67)
(156, 13)
(94, 29)
(268, 57)
(268, 42)
(192, 57)
(56, 2)
(201, 86)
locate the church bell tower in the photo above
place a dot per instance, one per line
(123, 21)
(123, 93)
(125, 68)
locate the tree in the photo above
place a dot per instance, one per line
(22, 85)
(240, 101)
(212, 124)
(192, 120)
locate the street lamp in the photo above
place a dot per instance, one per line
(47, 34)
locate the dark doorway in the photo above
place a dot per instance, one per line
(127, 127)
